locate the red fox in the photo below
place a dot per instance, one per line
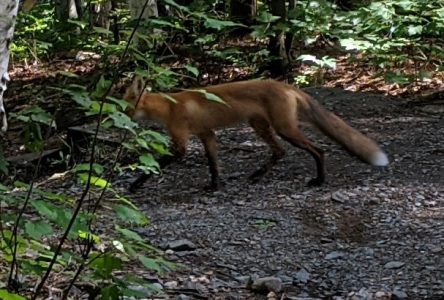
(270, 107)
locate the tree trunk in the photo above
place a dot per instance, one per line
(136, 7)
(100, 14)
(279, 64)
(8, 15)
(66, 9)
(243, 11)
(115, 27)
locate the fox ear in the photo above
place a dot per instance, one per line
(138, 85)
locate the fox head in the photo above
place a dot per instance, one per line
(132, 95)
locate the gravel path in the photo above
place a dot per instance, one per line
(366, 233)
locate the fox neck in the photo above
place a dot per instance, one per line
(154, 107)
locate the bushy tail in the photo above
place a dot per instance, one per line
(335, 128)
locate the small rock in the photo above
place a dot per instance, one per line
(157, 286)
(180, 245)
(267, 284)
(243, 279)
(183, 297)
(394, 265)
(302, 276)
(380, 295)
(286, 279)
(171, 284)
(339, 197)
(399, 294)
(362, 294)
(271, 296)
(367, 251)
(335, 255)
(196, 286)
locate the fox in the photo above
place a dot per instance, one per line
(272, 108)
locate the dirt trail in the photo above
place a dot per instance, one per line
(366, 229)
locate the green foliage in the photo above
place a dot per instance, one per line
(33, 118)
(5, 295)
(3, 163)
(116, 249)
(34, 35)
(393, 33)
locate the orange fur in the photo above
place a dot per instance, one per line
(270, 107)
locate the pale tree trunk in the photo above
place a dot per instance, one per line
(8, 15)
(136, 7)
(100, 14)
(67, 9)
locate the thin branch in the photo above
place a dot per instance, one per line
(91, 162)
(22, 211)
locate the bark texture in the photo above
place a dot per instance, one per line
(8, 15)
(136, 7)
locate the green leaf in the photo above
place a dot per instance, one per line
(38, 229)
(46, 209)
(3, 188)
(122, 103)
(130, 215)
(97, 168)
(119, 246)
(192, 70)
(160, 148)
(106, 264)
(148, 161)
(94, 180)
(122, 120)
(68, 74)
(88, 236)
(211, 96)
(150, 263)
(5, 295)
(102, 30)
(110, 292)
(81, 24)
(415, 29)
(129, 234)
(266, 17)
(392, 77)
(102, 87)
(168, 97)
(220, 24)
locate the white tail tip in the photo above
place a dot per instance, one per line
(380, 159)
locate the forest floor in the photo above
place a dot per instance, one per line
(367, 232)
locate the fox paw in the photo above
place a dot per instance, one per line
(256, 176)
(214, 186)
(315, 182)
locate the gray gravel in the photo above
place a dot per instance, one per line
(368, 233)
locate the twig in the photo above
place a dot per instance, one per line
(91, 162)
(13, 240)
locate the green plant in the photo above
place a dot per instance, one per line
(315, 72)
(33, 118)
(113, 250)
(264, 224)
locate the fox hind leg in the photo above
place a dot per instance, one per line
(208, 139)
(263, 129)
(295, 137)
